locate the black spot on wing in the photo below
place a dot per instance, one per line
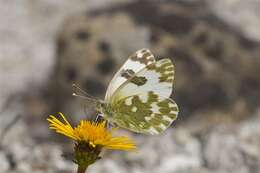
(139, 80)
(128, 73)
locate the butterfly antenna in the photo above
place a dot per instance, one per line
(77, 88)
(83, 95)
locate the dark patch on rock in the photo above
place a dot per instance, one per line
(182, 56)
(61, 46)
(104, 46)
(147, 13)
(154, 37)
(250, 91)
(106, 66)
(71, 74)
(201, 38)
(94, 87)
(11, 160)
(215, 51)
(82, 35)
(209, 95)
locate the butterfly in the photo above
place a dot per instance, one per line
(137, 97)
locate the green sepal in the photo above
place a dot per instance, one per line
(85, 154)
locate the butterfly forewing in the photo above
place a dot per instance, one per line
(147, 113)
(136, 62)
(157, 77)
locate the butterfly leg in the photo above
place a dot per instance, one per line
(111, 125)
(99, 118)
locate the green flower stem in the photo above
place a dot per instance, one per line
(81, 169)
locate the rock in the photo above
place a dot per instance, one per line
(170, 152)
(100, 44)
(223, 61)
(45, 158)
(246, 19)
(107, 165)
(234, 149)
(19, 152)
(4, 164)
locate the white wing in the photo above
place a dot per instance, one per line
(157, 77)
(136, 62)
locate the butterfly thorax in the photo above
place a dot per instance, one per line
(105, 109)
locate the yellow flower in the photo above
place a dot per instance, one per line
(96, 135)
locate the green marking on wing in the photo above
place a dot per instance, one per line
(145, 113)
(157, 77)
(165, 68)
(139, 80)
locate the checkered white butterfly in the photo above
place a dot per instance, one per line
(137, 97)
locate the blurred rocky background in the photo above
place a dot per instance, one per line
(47, 45)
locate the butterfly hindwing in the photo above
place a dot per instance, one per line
(147, 113)
(134, 64)
(157, 77)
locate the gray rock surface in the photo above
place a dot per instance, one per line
(242, 15)
(4, 164)
(233, 148)
(28, 31)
